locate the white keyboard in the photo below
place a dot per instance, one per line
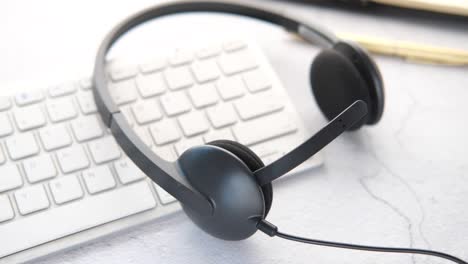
(63, 178)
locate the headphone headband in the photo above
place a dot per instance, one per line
(164, 173)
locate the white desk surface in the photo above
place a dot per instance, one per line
(401, 183)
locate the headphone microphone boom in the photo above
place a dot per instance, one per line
(231, 199)
(346, 120)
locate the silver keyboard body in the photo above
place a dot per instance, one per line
(63, 179)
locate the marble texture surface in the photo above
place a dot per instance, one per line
(403, 182)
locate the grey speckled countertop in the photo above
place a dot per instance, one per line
(403, 182)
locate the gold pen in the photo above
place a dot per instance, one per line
(451, 7)
(411, 51)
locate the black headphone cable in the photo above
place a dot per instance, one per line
(272, 230)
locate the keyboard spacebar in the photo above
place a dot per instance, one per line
(68, 219)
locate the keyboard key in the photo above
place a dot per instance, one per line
(221, 115)
(119, 73)
(72, 159)
(178, 78)
(86, 84)
(98, 179)
(236, 62)
(151, 85)
(231, 88)
(61, 109)
(256, 106)
(63, 89)
(31, 199)
(146, 111)
(21, 146)
(208, 52)
(164, 196)
(180, 58)
(164, 131)
(234, 45)
(123, 92)
(39, 168)
(259, 130)
(86, 103)
(10, 177)
(127, 171)
(54, 137)
(185, 144)
(175, 103)
(5, 103)
(203, 95)
(224, 134)
(74, 217)
(28, 97)
(86, 128)
(6, 211)
(270, 158)
(127, 113)
(205, 71)
(2, 156)
(155, 64)
(165, 152)
(29, 117)
(257, 80)
(5, 125)
(65, 189)
(104, 149)
(193, 123)
(144, 135)
(264, 150)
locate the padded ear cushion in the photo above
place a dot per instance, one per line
(336, 84)
(344, 74)
(371, 75)
(252, 161)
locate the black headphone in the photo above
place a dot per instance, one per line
(223, 186)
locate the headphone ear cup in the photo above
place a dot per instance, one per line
(252, 161)
(336, 84)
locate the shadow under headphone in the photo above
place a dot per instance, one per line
(223, 186)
